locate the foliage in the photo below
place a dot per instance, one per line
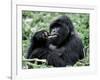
(33, 21)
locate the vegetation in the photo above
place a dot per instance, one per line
(35, 21)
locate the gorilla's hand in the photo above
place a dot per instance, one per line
(41, 35)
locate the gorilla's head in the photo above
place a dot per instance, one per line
(62, 28)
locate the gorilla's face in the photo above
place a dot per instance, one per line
(61, 30)
(60, 33)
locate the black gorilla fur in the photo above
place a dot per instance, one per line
(67, 46)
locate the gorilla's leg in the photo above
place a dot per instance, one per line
(39, 53)
(51, 57)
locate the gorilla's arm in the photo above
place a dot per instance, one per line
(30, 50)
(55, 60)
(73, 51)
(37, 41)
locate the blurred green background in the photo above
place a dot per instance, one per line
(33, 21)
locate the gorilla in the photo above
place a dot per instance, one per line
(61, 46)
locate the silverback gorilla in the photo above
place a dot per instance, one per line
(60, 47)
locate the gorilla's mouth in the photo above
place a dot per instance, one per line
(53, 36)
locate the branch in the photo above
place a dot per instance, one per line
(35, 59)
